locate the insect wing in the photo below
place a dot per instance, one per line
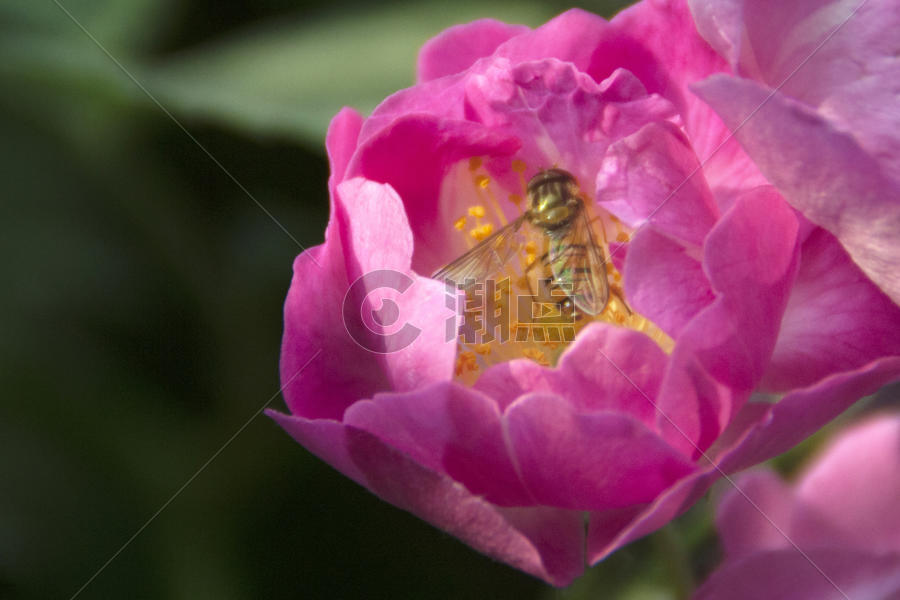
(484, 260)
(577, 264)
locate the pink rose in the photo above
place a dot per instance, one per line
(834, 533)
(509, 447)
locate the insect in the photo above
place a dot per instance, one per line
(557, 221)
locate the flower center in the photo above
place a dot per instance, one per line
(535, 264)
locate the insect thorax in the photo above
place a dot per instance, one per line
(553, 199)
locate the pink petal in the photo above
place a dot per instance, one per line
(325, 392)
(373, 228)
(823, 172)
(571, 37)
(439, 97)
(756, 434)
(535, 549)
(343, 135)
(803, 412)
(853, 79)
(693, 408)
(618, 252)
(747, 511)
(413, 155)
(750, 258)
(785, 43)
(624, 364)
(849, 495)
(720, 23)
(658, 42)
(664, 282)
(365, 234)
(377, 239)
(561, 115)
(451, 430)
(653, 176)
(558, 537)
(455, 49)
(587, 461)
(544, 542)
(865, 109)
(788, 575)
(835, 320)
(326, 389)
(325, 438)
(609, 530)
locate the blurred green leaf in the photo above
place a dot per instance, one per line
(118, 24)
(56, 75)
(291, 78)
(604, 8)
(63, 62)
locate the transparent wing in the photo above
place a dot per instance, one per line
(486, 259)
(577, 264)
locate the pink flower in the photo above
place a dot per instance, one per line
(509, 446)
(835, 530)
(829, 136)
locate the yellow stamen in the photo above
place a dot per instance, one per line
(492, 199)
(515, 199)
(482, 232)
(460, 223)
(476, 211)
(537, 356)
(467, 361)
(519, 166)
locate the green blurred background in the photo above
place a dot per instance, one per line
(141, 313)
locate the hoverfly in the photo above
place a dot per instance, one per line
(557, 220)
